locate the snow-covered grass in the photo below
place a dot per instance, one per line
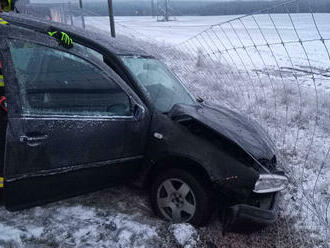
(185, 235)
(121, 217)
(271, 29)
(172, 32)
(103, 219)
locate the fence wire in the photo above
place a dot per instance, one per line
(274, 65)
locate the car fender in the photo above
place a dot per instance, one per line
(170, 140)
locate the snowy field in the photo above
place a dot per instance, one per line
(173, 32)
(185, 27)
(292, 107)
(234, 34)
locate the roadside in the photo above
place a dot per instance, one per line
(122, 217)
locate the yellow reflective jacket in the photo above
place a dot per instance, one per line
(2, 83)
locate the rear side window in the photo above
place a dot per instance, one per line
(53, 82)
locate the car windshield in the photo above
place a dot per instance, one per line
(162, 87)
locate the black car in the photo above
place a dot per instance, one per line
(105, 112)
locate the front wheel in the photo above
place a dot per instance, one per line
(178, 196)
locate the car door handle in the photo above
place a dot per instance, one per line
(33, 140)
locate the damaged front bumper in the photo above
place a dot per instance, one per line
(245, 218)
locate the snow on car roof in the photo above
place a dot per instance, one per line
(120, 45)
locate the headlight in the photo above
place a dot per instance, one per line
(269, 183)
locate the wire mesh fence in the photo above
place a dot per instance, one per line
(273, 65)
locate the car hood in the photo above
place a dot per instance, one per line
(240, 129)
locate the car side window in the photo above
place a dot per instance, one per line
(53, 82)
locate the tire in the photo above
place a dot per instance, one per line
(178, 196)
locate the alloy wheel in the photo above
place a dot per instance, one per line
(176, 200)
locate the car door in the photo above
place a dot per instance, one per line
(72, 122)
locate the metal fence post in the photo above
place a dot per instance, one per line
(112, 20)
(82, 14)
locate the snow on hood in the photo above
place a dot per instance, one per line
(240, 129)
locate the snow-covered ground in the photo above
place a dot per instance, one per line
(116, 218)
(292, 107)
(237, 33)
(121, 217)
(173, 32)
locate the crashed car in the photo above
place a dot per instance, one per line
(106, 112)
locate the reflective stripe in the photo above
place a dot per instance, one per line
(2, 83)
(1, 182)
(2, 21)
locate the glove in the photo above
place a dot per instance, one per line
(62, 38)
(8, 5)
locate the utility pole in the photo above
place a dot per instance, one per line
(157, 8)
(112, 19)
(166, 11)
(82, 14)
(64, 13)
(70, 13)
(152, 8)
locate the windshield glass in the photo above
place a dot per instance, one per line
(162, 87)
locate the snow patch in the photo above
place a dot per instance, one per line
(185, 235)
(15, 234)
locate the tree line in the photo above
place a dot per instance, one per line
(201, 8)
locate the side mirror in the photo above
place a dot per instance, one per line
(138, 112)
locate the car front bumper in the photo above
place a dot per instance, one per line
(244, 218)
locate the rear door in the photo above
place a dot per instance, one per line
(71, 124)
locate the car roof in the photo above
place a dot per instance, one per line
(120, 46)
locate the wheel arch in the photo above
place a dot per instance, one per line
(179, 162)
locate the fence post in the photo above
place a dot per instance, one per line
(82, 14)
(112, 20)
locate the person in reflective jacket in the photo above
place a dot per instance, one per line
(62, 38)
(7, 5)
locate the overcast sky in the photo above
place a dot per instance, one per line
(183, 0)
(65, 1)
